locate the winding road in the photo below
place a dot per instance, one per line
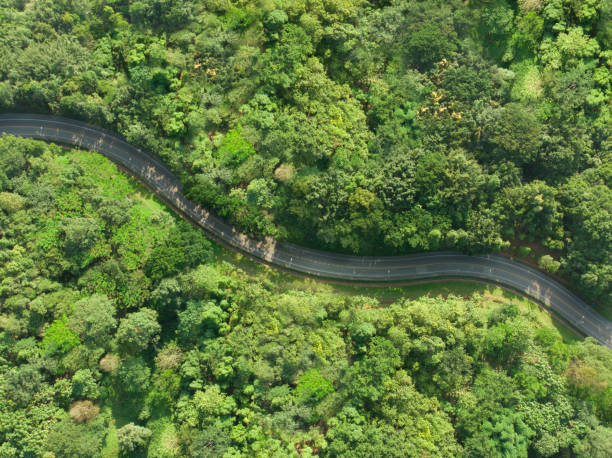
(157, 176)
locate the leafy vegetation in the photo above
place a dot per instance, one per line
(102, 356)
(360, 126)
(385, 126)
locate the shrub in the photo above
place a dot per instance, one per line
(523, 251)
(547, 263)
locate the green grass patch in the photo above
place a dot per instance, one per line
(164, 441)
(137, 237)
(527, 83)
(111, 443)
(104, 173)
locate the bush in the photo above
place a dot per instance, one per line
(523, 251)
(547, 263)
(312, 387)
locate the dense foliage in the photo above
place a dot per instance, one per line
(121, 335)
(360, 126)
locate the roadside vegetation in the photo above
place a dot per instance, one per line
(386, 126)
(125, 332)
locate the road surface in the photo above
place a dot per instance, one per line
(157, 176)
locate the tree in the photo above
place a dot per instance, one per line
(115, 212)
(84, 385)
(312, 387)
(260, 193)
(138, 330)
(200, 320)
(234, 148)
(184, 248)
(278, 66)
(430, 43)
(80, 234)
(22, 383)
(11, 202)
(6, 96)
(497, 20)
(109, 363)
(492, 392)
(169, 357)
(604, 28)
(84, 411)
(93, 320)
(205, 281)
(532, 210)
(72, 440)
(133, 439)
(513, 133)
(274, 21)
(506, 341)
(504, 434)
(134, 377)
(210, 441)
(596, 444)
(368, 376)
(59, 338)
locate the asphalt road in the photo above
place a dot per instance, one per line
(152, 172)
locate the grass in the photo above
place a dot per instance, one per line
(528, 81)
(114, 182)
(164, 441)
(111, 444)
(103, 173)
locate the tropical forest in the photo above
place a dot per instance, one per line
(366, 129)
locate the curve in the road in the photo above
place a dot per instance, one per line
(159, 178)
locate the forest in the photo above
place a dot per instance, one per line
(387, 126)
(124, 333)
(368, 127)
